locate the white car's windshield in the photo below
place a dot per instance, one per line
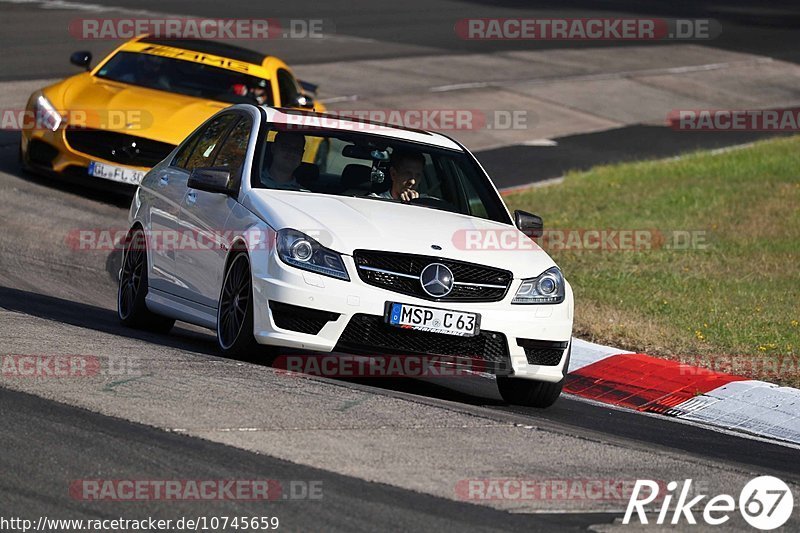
(378, 168)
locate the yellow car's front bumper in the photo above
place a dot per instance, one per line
(50, 152)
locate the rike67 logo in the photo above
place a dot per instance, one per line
(765, 503)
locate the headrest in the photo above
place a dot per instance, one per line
(354, 176)
(306, 174)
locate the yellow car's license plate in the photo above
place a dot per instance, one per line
(115, 173)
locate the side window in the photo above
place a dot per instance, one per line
(430, 184)
(232, 153)
(182, 157)
(287, 88)
(208, 141)
(466, 192)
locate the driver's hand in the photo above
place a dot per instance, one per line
(408, 195)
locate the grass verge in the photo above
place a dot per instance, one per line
(719, 284)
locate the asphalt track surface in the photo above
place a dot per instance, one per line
(36, 43)
(72, 441)
(47, 444)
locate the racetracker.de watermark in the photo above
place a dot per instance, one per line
(587, 29)
(249, 490)
(52, 120)
(581, 240)
(420, 119)
(778, 366)
(558, 489)
(111, 239)
(550, 240)
(387, 366)
(734, 119)
(44, 366)
(199, 28)
(48, 366)
(193, 523)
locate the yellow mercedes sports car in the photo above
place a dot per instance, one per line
(117, 120)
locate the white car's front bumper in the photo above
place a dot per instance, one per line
(275, 281)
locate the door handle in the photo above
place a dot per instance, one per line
(163, 181)
(191, 198)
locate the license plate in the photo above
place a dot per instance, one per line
(115, 173)
(435, 320)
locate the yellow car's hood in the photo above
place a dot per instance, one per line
(157, 115)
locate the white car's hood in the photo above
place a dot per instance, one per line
(345, 224)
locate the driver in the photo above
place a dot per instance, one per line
(259, 92)
(406, 171)
(152, 72)
(287, 154)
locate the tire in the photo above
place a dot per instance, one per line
(131, 307)
(531, 393)
(235, 319)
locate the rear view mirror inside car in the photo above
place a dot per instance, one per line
(355, 151)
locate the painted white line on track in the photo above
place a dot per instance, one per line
(540, 142)
(67, 5)
(603, 76)
(337, 99)
(88, 7)
(560, 179)
(567, 511)
(531, 185)
(715, 151)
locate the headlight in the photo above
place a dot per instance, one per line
(548, 288)
(301, 251)
(46, 114)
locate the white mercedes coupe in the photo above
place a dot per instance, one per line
(283, 228)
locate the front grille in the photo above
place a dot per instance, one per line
(371, 335)
(301, 319)
(118, 147)
(394, 269)
(545, 353)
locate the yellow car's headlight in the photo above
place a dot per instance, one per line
(46, 114)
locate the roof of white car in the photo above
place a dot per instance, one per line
(309, 119)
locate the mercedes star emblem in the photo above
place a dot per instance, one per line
(437, 280)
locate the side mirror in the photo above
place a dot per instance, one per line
(305, 101)
(81, 59)
(212, 179)
(529, 224)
